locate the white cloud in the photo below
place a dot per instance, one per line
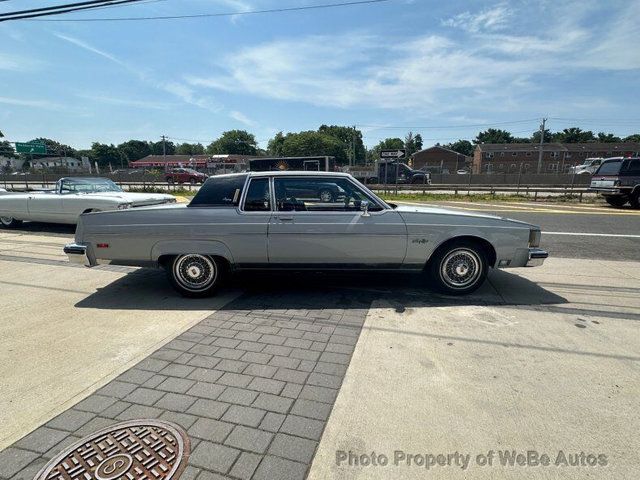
(178, 89)
(493, 62)
(490, 19)
(14, 63)
(45, 104)
(242, 118)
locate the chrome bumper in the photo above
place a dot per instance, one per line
(78, 254)
(537, 257)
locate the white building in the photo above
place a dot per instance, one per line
(70, 163)
(13, 164)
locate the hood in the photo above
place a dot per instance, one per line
(457, 213)
(442, 211)
(140, 199)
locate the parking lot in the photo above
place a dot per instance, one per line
(308, 375)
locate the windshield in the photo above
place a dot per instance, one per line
(610, 168)
(88, 185)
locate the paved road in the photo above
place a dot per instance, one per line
(572, 231)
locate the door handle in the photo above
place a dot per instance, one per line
(285, 218)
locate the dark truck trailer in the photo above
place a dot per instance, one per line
(302, 164)
(391, 172)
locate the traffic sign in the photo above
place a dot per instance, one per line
(37, 148)
(395, 153)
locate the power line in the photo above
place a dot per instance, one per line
(55, 7)
(56, 10)
(222, 14)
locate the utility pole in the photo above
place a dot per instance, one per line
(164, 152)
(544, 121)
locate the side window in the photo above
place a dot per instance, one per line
(634, 167)
(222, 191)
(258, 197)
(328, 194)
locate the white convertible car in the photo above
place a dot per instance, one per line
(71, 198)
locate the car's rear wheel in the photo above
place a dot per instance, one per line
(10, 222)
(458, 268)
(616, 201)
(634, 200)
(195, 275)
(193, 181)
(326, 195)
(170, 180)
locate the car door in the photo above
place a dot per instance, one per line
(44, 207)
(335, 234)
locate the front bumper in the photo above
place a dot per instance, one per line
(537, 257)
(79, 254)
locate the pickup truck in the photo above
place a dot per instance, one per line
(386, 173)
(618, 181)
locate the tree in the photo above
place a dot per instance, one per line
(6, 149)
(133, 150)
(413, 143)
(189, 149)
(350, 137)
(275, 145)
(494, 135)
(239, 142)
(311, 144)
(608, 137)
(157, 147)
(548, 136)
(464, 147)
(632, 138)
(573, 135)
(106, 154)
(386, 144)
(54, 148)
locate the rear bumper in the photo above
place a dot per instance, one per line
(537, 256)
(79, 254)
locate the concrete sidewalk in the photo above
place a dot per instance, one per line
(548, 371)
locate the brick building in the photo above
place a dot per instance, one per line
(200, 162)
(556, 157)
(438, 156)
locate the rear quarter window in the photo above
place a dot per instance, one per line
(610, 168)
(219, 191)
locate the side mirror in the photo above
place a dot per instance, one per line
(364, 207)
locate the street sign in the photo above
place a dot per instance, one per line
(396, 153)
(37, 148)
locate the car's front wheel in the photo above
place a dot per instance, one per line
(458, 268)
(10, 222)
(634, 200)
(195, 275)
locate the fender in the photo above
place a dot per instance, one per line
(204, 247)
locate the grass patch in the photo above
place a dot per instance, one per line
(485, 197)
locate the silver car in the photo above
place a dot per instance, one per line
(278, 220)
(70, 198)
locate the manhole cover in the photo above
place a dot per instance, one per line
(139, 449)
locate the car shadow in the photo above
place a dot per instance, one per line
(146, 289)
(57, 229)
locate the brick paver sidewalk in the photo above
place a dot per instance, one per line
(253, 385)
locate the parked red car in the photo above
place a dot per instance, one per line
(185, 175)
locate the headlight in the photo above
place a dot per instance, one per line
(124, 206)
(534, 238)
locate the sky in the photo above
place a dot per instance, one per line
(445, 70)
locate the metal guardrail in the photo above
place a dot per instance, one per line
(528, 190)
(458, 189)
